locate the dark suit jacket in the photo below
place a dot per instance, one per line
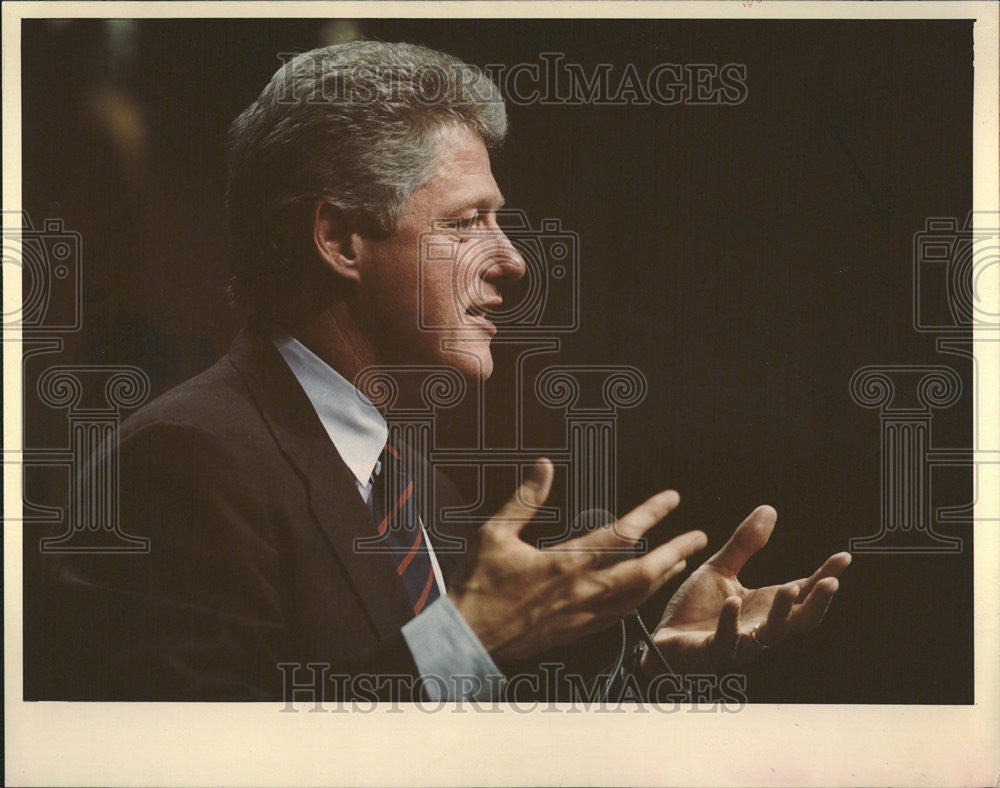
(252, 517)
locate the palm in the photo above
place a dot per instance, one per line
(707, 623)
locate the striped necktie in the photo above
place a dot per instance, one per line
(398, 526)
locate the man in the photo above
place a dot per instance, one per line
(287, 539)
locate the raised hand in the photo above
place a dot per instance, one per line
(520, 600)
(713, 623)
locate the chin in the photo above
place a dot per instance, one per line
(473, 361)
(474, 367)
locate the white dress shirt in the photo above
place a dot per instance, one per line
(449, 656)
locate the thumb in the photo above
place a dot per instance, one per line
(749, 537)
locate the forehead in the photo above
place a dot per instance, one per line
(462, 177)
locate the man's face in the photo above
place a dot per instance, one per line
(424, 291)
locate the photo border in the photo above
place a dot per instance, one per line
(251, 744)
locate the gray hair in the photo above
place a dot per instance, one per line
(355, 124)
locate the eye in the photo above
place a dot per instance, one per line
(462, 225)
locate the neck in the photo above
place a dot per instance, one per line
(334, 336)
(339, 341)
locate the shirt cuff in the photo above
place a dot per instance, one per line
(453, 664)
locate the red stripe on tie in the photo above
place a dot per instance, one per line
(399, 505)
(423, 597)
(392, 451)
(413, 551)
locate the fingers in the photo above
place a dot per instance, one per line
(749, 537)
(776, 627)
(669, 559)
(626, 532)
(641, 577)
(810, 613)
(832, 567)
(727, 631)
(526, 500)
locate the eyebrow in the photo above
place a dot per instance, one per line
(485, 202)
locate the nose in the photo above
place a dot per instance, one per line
(506, 265)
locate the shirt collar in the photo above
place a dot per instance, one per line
(355, 426)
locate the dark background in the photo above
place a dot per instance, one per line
(748, 259)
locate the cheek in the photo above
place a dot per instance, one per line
(440, 292)
(468, 272)
(397, 291)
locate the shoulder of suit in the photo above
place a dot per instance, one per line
(213, 401)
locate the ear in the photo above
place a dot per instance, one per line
(336, 240)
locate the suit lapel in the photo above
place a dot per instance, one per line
(338, 509)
